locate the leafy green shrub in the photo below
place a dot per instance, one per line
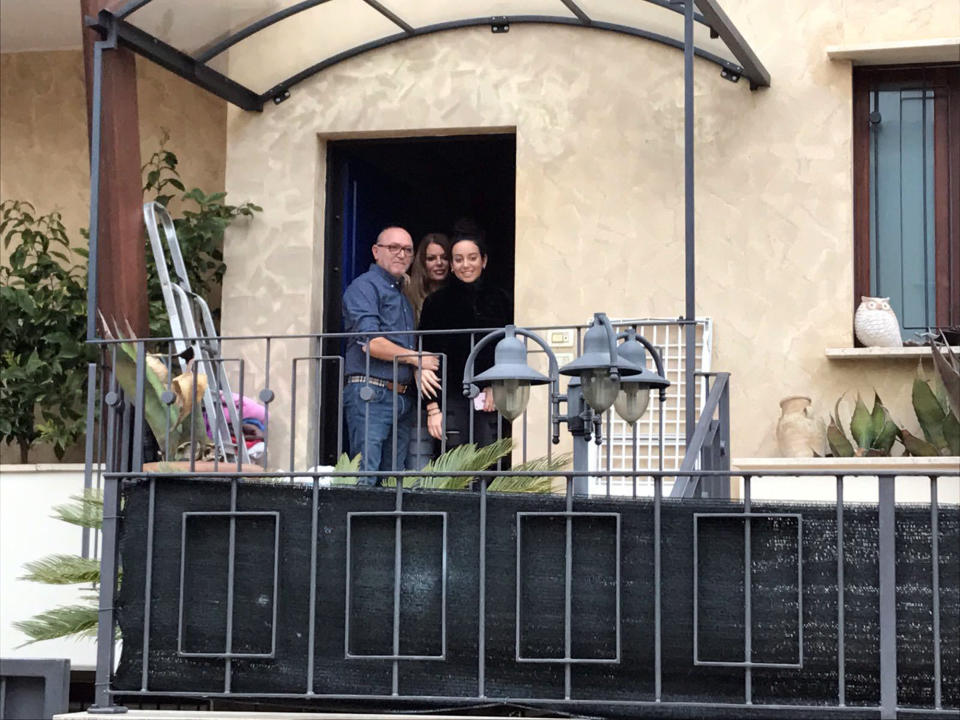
(200, 229)
(42, 332)
(43, 304)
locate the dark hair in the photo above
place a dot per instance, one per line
(476, 239)
(468, 226)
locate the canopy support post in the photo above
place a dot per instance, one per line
(117, 270)
(690, 311)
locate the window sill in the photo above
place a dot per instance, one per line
(910, 51)
(857, 465)
(880, 353)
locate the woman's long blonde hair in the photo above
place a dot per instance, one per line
(420, 285)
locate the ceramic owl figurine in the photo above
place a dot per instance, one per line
(876, 323)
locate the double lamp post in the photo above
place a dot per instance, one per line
(606, 374)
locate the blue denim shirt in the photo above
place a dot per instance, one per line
(373, 304)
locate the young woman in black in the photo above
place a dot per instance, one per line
(466, 301)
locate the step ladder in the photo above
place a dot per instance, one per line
(183, 305)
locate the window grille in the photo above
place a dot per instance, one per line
(618, 449)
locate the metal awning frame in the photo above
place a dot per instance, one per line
(196, 69)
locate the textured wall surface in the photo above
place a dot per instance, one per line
(44, 155)
(44, 152)
(599, 126)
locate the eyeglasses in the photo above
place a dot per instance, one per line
(397, 249)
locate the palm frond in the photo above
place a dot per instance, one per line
(84, 510)
(346, 464)
(543, 484)
(63, 621)
(465, 458)
(62, 570)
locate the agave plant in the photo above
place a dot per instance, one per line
(948, 368)
(469, 458)
(170, 423)
(938, 421)
(79, 620)
(872, 433)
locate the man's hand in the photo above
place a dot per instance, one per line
(429, 383)
(435, 423)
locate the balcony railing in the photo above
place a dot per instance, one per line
(290, 584)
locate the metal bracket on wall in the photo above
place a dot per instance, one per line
(731, 75)
(499, 24)
(285, 95)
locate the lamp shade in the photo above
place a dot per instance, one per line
(632, 353)
(596, 355)
(511, 377)
(510, 363)
(634, 395)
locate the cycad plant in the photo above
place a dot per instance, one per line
(79, 620)
(468, 458)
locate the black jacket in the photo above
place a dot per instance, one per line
(458, 305)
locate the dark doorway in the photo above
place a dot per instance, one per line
(424, 184)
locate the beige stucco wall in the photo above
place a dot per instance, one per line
(599, 198)
(44, 154)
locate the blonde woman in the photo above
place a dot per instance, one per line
(429, 271)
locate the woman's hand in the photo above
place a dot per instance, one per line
(488, 405)
(423, 360)
(429, 383)
(435, 422)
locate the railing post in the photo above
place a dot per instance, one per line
(114, 406)
(92, 398)
(888, 598)
(722, 441)
(108, 567)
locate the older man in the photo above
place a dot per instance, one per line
(374, 305)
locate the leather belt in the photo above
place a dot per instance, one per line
(401, 389)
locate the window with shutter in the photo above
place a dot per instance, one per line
(907, 191)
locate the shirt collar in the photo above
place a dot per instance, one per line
(395, 282)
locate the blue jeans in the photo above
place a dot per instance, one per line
(372, 435)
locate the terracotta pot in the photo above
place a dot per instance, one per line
(798, 434)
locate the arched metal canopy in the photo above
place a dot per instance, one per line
(253, 51)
